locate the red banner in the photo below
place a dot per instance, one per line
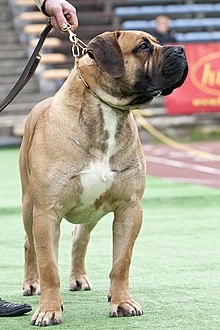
(201, 90)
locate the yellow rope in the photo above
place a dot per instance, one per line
(179, 146)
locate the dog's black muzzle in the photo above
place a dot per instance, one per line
(175, 69)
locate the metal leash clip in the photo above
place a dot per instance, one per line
(79, 47)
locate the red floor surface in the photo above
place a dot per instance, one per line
(169, 163)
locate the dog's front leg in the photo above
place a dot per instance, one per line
(46, 230)
(126, 226)
(31, 274)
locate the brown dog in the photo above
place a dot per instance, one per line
(81, 158)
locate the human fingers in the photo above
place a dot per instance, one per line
(72, 19)
(58, 17)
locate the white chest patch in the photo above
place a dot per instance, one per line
(97, 178)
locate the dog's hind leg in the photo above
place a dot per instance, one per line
(79, 280)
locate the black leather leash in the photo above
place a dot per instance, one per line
(29, 69)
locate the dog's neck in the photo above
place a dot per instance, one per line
(118, 107)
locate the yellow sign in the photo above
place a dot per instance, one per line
(205, 74)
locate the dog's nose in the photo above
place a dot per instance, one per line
(178, 49)
(174, 50)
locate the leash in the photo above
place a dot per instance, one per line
(78, 48)
(29, 68)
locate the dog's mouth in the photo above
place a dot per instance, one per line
(141, 99)
(178, 83)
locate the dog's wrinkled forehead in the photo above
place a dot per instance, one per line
(108, 49)
(131, 39)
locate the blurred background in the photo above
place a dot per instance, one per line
(191, 113)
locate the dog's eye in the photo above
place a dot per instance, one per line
(144, 46)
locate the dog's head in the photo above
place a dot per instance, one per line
(132, 67)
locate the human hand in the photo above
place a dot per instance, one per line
(61, 12)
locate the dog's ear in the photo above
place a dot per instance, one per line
(105, 50)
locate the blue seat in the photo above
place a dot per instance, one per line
(198, 36)
(138, 10)
(205, 8)
(127, 11)
(187, 9)
(176, 9)
(194, 23)
(152, 10)
(181, 24)
(168, 10)
(138, 25)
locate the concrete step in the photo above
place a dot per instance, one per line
(7, 55)
(10, 80)
(12, 68)
(6, 25)
(5, 14)
(14, 71)
(10, 130)
(18, 109)
(13, 47)
(31, 87)
(28, 89)
(8, 38)
(35, 97)
(10, 63)
(13, 117)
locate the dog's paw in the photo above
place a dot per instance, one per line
(31, 289)
(128, 307)
(44, 318)
(80, 283)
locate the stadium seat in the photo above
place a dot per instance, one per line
(181, 24)
(169, 10)
(198, 36)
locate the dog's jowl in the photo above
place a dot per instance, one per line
(81, 158)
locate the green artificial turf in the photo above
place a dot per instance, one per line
(175, 272)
